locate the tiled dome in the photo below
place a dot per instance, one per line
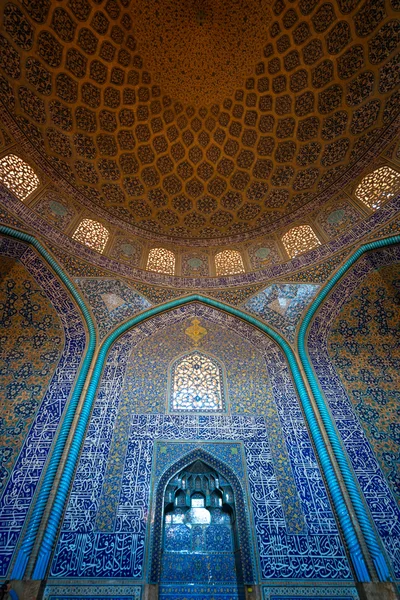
(200, 120)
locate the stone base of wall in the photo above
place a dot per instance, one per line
(377, 591)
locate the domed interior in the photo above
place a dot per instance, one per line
(201, 123)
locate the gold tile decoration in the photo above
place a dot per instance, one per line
(197, 59)
(196, 331)
(178, 125)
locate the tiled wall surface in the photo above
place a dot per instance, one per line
(40, 359)
(107, 513)
(132, 440)
(354, 347)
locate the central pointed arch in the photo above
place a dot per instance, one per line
(55, 516)
(355, 551)
(247, 561)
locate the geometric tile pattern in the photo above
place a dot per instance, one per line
(18, 494)
(316, 552)
(31, 345)
(316, 592)
(353, 346)
(198, 592)
(111, 301)
(93, 591)
(281, 305)
(212, 154)
(146, 354)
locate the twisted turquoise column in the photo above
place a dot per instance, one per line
(364, 520)
(72, 458)
(59, 445)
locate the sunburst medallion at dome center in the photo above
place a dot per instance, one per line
(199, 51)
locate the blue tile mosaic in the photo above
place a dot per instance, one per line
(111, 301)
(281, 305)
(146, 354)
(18, 494)
(358, 391)
(228, 461)
(198, 592)
(92, 591)
(193, 567)
(316, 592)
(315, 553)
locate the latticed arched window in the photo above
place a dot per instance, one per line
(161, 260)
(18, 176)
(229, 262)
(300, 239)
(378, 187)
(197, 384)
(92, 234)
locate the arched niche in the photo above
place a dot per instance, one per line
(128, 425)
(232, 495)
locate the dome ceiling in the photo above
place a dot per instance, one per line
(200, 119)
(200, 51)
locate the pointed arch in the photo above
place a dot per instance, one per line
(57, 403)
(339, 397)
(353, 545)
(371, 539)
(348, 529)
(47, 482)
(247, 562)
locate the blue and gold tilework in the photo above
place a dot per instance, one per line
(315, 592)
(281, 305)
(354, 346)
(320, 272)
(293, 526)
(41, 344)
(111, 300)
(210, 562)
(148, 369)
(31, 344)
